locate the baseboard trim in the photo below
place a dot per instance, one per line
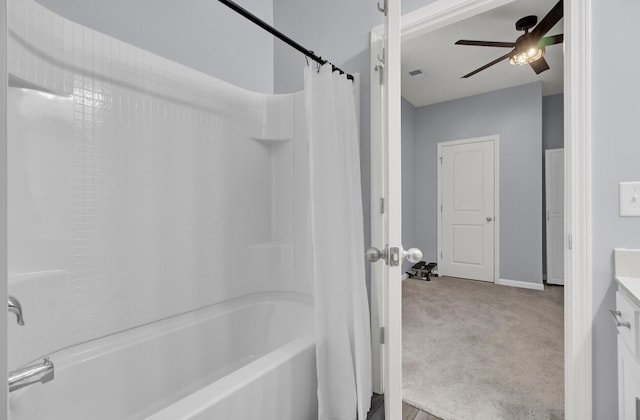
(405, 276)
(521, 284)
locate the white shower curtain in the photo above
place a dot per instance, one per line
(343, 345)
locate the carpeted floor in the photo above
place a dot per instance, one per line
(477, 351)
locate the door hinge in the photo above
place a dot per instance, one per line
(381, 205)
(440, 208)
(441, 255)
(440, 160)
(570, 242)
(381, 335)
(548, 215)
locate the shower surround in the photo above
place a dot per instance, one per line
(142, 193)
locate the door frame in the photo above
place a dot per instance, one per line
(4, 389)
(578, 313)
(495, 139)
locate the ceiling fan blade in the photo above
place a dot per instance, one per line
(539, 65)
(486, 66)
(486, 43)
(551, 40)
(548, 21)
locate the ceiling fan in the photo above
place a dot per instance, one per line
(528, 48)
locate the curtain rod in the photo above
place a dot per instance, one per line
(253, 18)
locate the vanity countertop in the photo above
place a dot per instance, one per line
(627, 271)
(631, 286)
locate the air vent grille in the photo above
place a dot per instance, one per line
(417, 73)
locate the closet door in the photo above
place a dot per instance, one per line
(554, 183)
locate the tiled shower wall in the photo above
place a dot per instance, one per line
(139, 188)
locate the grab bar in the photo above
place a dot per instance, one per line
(42, 372)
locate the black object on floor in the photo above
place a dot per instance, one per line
(422, 271)
(376, 412)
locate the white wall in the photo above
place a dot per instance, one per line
(141, 189)
(202, 34)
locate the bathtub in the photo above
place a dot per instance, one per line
(251, 357)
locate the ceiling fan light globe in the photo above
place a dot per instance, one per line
(526, 56)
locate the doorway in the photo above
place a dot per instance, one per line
(577, 296)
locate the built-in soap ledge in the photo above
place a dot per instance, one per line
(627, 271)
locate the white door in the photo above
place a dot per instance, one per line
(554, 185)
(392, 181)
(386, 214)
(467, 190)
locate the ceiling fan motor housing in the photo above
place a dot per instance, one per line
(526, 23)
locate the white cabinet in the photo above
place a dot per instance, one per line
(627, 315)
(554, 186)
(628, 384)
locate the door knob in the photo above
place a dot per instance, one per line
(489, 219)
(413, 255)
(373, 254)
(392, 255)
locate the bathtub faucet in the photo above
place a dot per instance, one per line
(16, 308)
(29, 375)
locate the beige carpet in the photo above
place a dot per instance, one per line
(477, 351)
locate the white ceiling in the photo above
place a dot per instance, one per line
(444, 63)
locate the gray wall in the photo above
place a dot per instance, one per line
(205, 35)
(615, 125)
(552, 138)
(503, 112)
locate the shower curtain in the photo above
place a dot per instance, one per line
(343, 345)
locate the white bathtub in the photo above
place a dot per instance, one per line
(252, 357)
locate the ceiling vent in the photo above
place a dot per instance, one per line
(417, 73)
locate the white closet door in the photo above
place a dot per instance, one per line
(554, 183)
(467, 187)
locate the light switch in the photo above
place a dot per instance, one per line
(630, 199)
